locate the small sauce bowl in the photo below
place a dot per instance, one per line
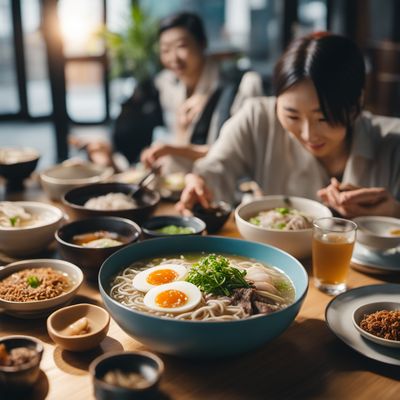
(371, 308)
(141, 364)
(215, 216)
(59, 322)
(25, 374)
(151, 228)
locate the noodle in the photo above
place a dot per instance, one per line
(211, 308)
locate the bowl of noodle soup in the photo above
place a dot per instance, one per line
(217, 323)
(281, 221)
(35, 288)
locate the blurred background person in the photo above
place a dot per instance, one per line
(191, 98)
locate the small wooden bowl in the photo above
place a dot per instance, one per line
(60, 320)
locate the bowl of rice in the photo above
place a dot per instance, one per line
(111, 199)
(35, 288)
(281, 221)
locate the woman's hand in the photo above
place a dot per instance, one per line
(351, 201)
(195, 191)
(150, 155)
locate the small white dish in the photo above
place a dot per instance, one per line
(370, 308)
(380, 262)
(378, 233)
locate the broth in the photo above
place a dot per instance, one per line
(266, 288)
(98, 239)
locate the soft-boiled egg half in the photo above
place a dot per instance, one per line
(173, 297)
(156, 276)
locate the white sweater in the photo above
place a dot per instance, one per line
(254, 144)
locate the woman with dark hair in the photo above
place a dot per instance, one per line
(311, 139)
(194, 96)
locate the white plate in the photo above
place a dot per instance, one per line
(373, 261)
(339, 313)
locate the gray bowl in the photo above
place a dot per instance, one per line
(139, 362)
(87, 258)
(25, 375)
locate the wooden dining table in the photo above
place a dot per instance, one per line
(307, 361)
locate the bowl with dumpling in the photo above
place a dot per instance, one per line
(281, 221)
(27, 227)
(88, 242)
(202, 296)
(111, 199)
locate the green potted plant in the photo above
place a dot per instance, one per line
(134, 53)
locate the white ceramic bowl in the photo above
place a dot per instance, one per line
(378, 233)
(296, 243)
(23, 241)
(370, 308)
(41, 308)
(59, 179)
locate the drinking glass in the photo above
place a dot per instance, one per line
(332, 247)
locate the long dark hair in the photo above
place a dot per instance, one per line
(334, 64)
(189, 21)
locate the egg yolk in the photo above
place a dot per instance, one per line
(161, 276)
(171, 298)
(395, 232)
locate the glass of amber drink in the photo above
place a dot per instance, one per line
(332, 247)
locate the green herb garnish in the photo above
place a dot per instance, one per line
(255, 221)
(281, 225)
(214, 274)
(283, 210)
(33, 281)
(175, 230)
(14, 220)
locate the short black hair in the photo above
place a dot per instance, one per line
(189, 21)
(336, 67)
